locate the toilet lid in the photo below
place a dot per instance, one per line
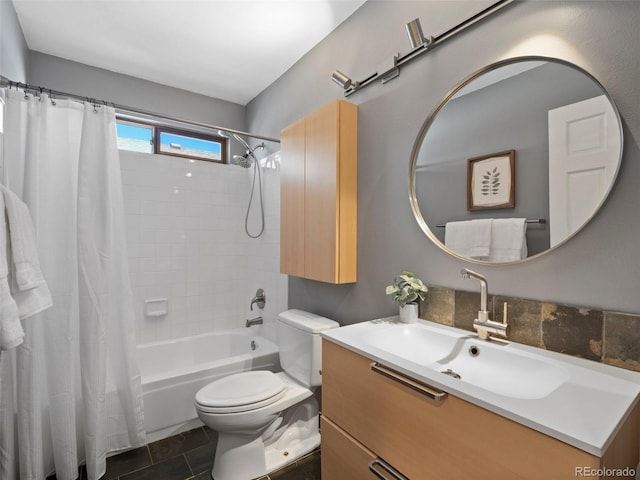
(242, 389)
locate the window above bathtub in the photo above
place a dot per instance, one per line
(135, 137)
(177, 142)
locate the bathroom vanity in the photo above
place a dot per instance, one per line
(410, 401)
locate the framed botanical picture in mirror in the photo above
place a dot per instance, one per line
(491, 181)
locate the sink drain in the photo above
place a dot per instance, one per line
(474, 350)
(451, 373)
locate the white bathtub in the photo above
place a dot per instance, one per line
(174, 370)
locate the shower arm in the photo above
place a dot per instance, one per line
(250, 150)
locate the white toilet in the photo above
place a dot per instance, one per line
(266, 420)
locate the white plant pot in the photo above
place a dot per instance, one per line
(409, 313)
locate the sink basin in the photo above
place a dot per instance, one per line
(502, 369)
(416, 342)
(497, 367)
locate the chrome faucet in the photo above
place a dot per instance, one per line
(253, 321)
(482, 324)
(260, 299)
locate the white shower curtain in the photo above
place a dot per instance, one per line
(71, 392)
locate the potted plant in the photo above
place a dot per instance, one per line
(406, 290)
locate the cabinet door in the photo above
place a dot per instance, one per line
(321, 194)
(342, 457)
(292, 221)
(425, 440)
(348, 194)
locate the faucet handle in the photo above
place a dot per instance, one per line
(260, 299)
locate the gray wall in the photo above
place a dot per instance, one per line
(77, 78)
(599, 267)
(13, 48)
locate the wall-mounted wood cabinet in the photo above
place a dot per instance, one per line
(319, 196)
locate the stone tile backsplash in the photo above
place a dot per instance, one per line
(602, 336)
(571, 330)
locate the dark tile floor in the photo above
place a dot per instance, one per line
(188, 456)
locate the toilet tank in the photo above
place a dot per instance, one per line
(300, 345)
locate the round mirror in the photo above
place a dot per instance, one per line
(515, 160)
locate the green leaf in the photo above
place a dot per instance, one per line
(391, 289)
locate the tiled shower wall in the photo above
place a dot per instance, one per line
(186, 241)
(602, 336)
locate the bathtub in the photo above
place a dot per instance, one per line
(174, 370)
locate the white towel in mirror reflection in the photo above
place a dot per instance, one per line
(471, 238)
(490, 239)
(508, 239)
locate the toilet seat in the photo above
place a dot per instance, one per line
(241, 392)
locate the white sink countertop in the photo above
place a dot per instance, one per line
(580, 402)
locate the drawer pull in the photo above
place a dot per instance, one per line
(432, 393)
(387, 469)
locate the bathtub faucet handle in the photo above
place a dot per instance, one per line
(259, 299)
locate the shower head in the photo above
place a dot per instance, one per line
(242, 160)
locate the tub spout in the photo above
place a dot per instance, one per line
(253, 321)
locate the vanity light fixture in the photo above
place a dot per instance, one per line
(420, 44)
(341, 79)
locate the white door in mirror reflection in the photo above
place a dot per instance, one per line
(584, 148)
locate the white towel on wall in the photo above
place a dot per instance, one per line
(26, 282)
(508, 239)
(469, 238)
(11, 332)
(26, 266)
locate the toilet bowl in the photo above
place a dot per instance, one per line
(266, 420)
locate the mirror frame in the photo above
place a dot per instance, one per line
(434, 114)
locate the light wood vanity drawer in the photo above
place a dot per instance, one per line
(423, 439)
(343, 458)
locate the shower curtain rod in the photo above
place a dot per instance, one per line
(5, 82)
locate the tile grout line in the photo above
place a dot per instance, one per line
(186, 460)
(146, 446)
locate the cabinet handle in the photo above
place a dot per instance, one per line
(431, 392)
(387, 468)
